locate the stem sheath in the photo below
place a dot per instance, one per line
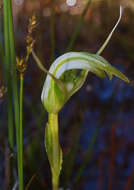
(53, 148)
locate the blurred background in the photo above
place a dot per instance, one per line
(97, 124)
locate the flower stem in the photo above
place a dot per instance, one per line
(53, 148)
(21, 135)
(55, 183)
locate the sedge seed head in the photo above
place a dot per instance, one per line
(21, 65)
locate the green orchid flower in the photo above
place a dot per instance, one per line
(53, 96)
(66, 76)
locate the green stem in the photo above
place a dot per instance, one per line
(53, 148)
(21, 134)
(7, 74)
(78, 27)
(7, 77)
(14, 86)
(53, 124)
(13, 61)
(10, 119)
(55, 183)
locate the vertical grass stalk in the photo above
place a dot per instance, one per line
(10, 60)
(21, 133)
(78, 27)
(8, 74)
(15, 94)
(13, 66)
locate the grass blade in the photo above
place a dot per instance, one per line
(78, 27)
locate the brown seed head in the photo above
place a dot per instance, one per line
(21, 65)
